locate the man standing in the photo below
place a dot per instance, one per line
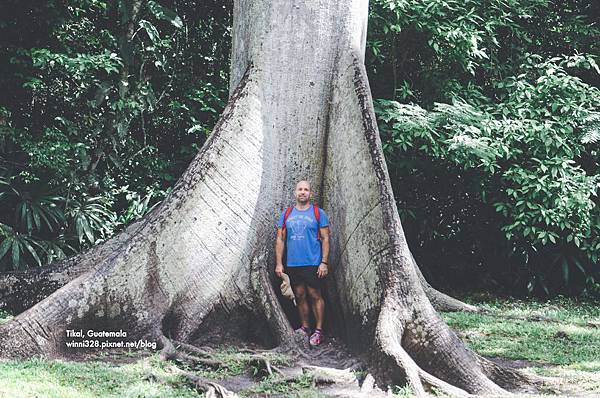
(303, 231)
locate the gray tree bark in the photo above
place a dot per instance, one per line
(199, 267)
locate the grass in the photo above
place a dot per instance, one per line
(558, 338)
(4, 317)
(66, 379)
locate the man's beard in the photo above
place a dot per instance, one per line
(302, 201)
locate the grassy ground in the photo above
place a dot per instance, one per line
(559, 338)
(58, 379)
(135, 375)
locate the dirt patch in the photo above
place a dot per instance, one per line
(519, 363)
(238, 383)
(333, 354)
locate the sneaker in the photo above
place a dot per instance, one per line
(304, 330)
(316, 338)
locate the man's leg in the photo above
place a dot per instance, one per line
(318, 305)
(302, 303)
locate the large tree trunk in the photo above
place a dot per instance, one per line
(198, 268)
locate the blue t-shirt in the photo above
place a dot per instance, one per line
(302, 245)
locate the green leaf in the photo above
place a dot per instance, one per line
(151, 30)
(21, 212)
(36, 217)
(87, 230)
(16, 252)
(32, 251)
(29, 219)
(47, 221)
(5, 246)
(165, 13)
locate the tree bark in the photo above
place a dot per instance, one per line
(199, 268)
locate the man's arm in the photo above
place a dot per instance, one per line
(279, 244)
(324, 267)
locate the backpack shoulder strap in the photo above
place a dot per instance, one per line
(318, 218)
(286, 215)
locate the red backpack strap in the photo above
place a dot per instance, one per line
(285, 217)
(318, 217)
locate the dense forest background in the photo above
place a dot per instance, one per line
(489, 113)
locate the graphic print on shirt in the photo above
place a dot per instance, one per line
(297, 225)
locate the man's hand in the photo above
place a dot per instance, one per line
(279, 270)
(322, 271)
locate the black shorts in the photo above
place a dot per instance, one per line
(305, 275)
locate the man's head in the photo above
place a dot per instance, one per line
(302, 192)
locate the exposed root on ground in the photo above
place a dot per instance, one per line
(212, 389)
(192, 356)
(400, 338)
(419, 380)
(170, 353)
(324, 375)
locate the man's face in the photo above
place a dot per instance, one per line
(302, 192)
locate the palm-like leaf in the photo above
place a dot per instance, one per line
(20, 246)
(36, 209)
(91, 217)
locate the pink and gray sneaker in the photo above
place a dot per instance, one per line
(316, 338)
(303, 330)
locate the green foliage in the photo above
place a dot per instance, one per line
(528, 152)
(18, 246)
(4, 316)
(496, 168)
(37, 213)
(107, 103)
(429, 50)
(161, 12)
